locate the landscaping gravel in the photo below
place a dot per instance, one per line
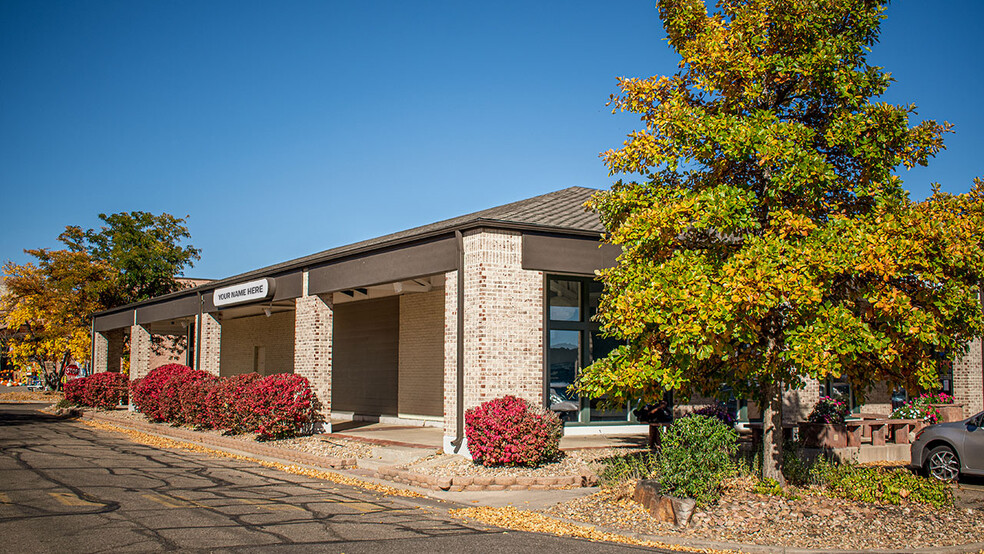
(808, 522)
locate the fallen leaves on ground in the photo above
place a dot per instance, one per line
(509, 517)
(31, 396)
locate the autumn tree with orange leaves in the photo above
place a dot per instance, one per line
(767, 238)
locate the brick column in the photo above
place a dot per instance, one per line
(100, 353)
(312, 348)
(139, 352)
(503, 320)
(209, 347)
(968, 379)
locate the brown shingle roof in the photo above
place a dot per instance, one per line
(560, 211)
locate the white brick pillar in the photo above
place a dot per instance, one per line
(139, 351)
(100, 353)
(503, 312)
(968, 379)
(503, 325)
(313, 318)
(209, 347)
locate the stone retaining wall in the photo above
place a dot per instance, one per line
(460, 483)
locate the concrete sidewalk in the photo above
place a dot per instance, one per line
(433, 437)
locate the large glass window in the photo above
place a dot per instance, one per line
(574, 342)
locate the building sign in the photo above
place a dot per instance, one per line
(253, 291)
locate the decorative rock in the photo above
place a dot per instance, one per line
(588, 479)
(646, 491)
(667, 509)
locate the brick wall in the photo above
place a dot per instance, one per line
(878, 400)
(968, 379)
(168, 349)
(258, 343)
(312, 345)
(421, 354)
(115, 349)
(796, 404)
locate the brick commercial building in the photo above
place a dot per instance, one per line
(423, 324)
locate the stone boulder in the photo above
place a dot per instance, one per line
(667, 509)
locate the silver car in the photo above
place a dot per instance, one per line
(948, 450)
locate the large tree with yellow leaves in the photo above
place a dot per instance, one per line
(48, 306)
(768, 239)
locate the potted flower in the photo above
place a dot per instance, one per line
(825, 427)
(932, 408)
(943, 404)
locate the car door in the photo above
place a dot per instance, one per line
(973, 450)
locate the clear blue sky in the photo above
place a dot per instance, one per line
(286, 128)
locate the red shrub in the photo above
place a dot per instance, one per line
(510, 431)
(226, 404)
(103, 390)
(75, 391)
(284, 406)
(183, 398)
(149, 393)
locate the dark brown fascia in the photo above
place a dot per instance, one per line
(315, 260)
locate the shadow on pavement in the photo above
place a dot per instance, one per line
(25, 414)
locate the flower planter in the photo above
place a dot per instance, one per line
(823, 435)
(949, 412)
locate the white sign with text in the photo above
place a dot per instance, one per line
(252, 291)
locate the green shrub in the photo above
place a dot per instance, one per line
(771, 487)
(696, 457)
(884, 485)
(617, 470)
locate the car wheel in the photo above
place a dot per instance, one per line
(943, 464)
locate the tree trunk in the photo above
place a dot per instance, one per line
(772, 434)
